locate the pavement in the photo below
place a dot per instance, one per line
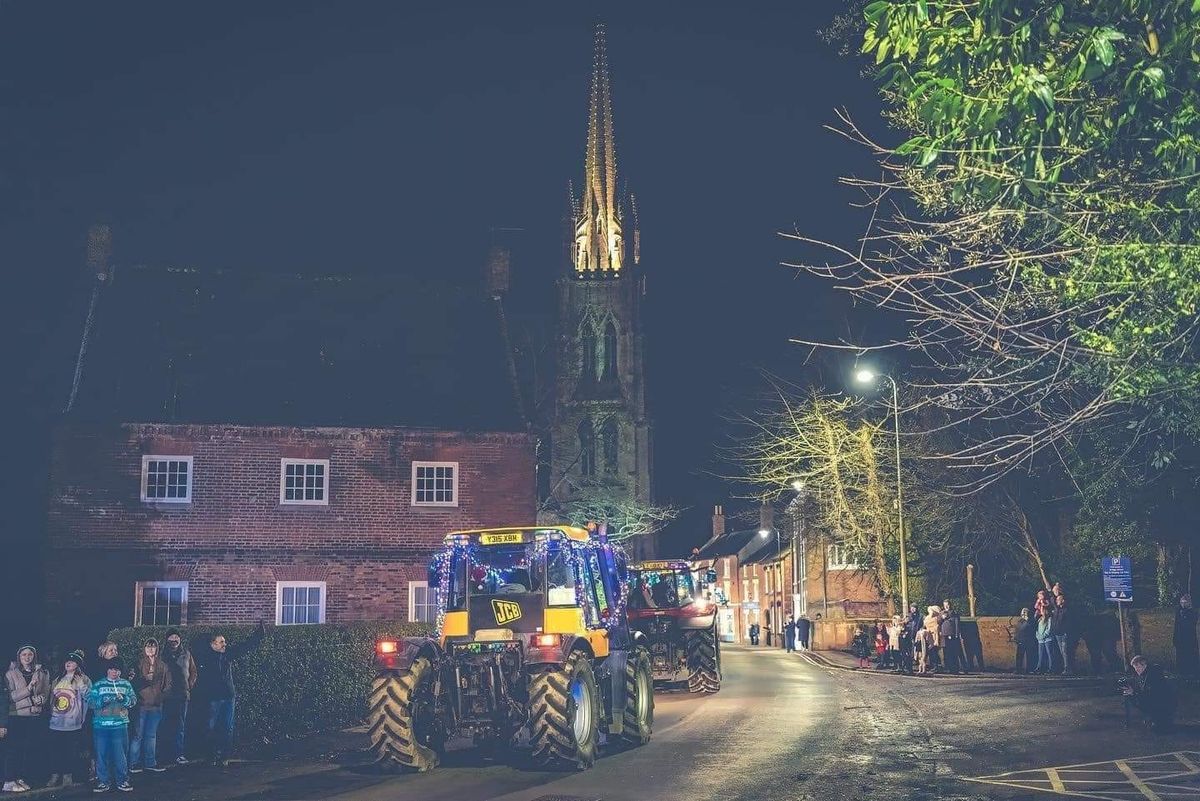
(782, 727)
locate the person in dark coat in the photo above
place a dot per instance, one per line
(803, 632)
(952, 647)
(754, 630)
(215, 685)
(789, 634)
(1152, 694)
(1025, 638)
(1187, 651)
(1066, 633)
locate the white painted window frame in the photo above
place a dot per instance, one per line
(280, 586)
(283, 463)
(412, 601)
(155, 457)
(138, 586)
(836, 557)
(413, 487)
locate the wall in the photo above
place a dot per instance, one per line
(234, 540)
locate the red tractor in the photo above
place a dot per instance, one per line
(676, 623)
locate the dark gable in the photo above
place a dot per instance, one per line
(175, 345)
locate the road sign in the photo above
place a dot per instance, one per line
(1117, 572)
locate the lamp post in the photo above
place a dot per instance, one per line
(765, 532)
(866, 376)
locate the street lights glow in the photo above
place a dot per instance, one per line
(764, 532)
(864, 376)
(798, 485)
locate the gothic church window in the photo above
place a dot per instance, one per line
(608, 445)
(608, 368)
(588, 354)
(587, 447)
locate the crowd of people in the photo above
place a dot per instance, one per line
(918, 644)
(137, 711)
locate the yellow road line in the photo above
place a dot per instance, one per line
(1123, 766)
(1056, 783)
(1187, 763)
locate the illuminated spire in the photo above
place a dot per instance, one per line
(599, 247)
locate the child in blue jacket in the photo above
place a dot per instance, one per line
(110, 700)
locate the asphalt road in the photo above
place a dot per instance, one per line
(783, 728)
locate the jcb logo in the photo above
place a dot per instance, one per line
(506, 612)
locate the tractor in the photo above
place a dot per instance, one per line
(532, 648)
(676, 623)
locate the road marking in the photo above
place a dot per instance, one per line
(1155, 777)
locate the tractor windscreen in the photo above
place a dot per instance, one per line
(660, 589)
(505, 570)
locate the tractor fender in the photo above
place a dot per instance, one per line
(411, 649)
(698, 622)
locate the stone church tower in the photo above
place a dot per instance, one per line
(601, 434)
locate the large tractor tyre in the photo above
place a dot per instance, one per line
(638, 718)
(704, 661)
(404, 732)
(564, 715)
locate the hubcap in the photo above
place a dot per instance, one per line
(581, 693)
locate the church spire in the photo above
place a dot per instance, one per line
(599, 248)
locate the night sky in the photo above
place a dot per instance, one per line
(353, 137)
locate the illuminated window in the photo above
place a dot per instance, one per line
(303, 481)
(161, 603)
(435, 484)
(167, 479)
(299, 603)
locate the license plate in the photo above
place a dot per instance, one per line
(506, 538)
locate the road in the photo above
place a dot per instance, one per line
(783, 728)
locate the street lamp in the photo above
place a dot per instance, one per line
(867, 376)
(765, 532)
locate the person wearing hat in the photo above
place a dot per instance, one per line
(175, 703)
(152, 680)
(110, 700)
(68, 711)
(28, 690)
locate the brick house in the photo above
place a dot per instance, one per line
(247, 447)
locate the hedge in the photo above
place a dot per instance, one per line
(299, 680)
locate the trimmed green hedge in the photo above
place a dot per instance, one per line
(301, 678)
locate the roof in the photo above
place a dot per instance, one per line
(760, 550)
(190, 346)
(728, 544)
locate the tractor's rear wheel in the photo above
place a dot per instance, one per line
(638, 720)
(564, 714)
(704, 661)
(404, 730)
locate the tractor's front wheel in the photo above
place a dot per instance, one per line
(704, 661)
(638, 720)
(402, 720)
(564, 714)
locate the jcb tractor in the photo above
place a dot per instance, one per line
(533, 644)
(676, 623)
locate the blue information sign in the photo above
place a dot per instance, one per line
(1117, 572)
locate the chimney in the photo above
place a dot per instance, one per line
(766, 516)
(718, 521)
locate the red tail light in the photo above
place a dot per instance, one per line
(387, 646)
(548, 640)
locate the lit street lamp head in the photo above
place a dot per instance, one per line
(764, 532)
(798, 485)
(864, 376)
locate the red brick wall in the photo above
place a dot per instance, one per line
(234, 541)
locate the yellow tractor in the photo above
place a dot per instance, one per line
(532, 645)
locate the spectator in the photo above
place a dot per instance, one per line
(900, 644)
(152, 680)
(1187, 651)
(952, 649)
(1057, 591)
(28, 691)
(862, 646)
(175, 703)
(104, 652)
(1041, 604)
(933, 625)
(922, 648)
(754, 630)
(881, 644)
(1025, 637)
(216, 685)
(789, 634)
(1047, 647)
(1066, 633)
(1150, 692)
(110, 700)
(4, 700)
(803, 632)
(68, 713)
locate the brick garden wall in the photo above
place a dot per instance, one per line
(234, 540)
